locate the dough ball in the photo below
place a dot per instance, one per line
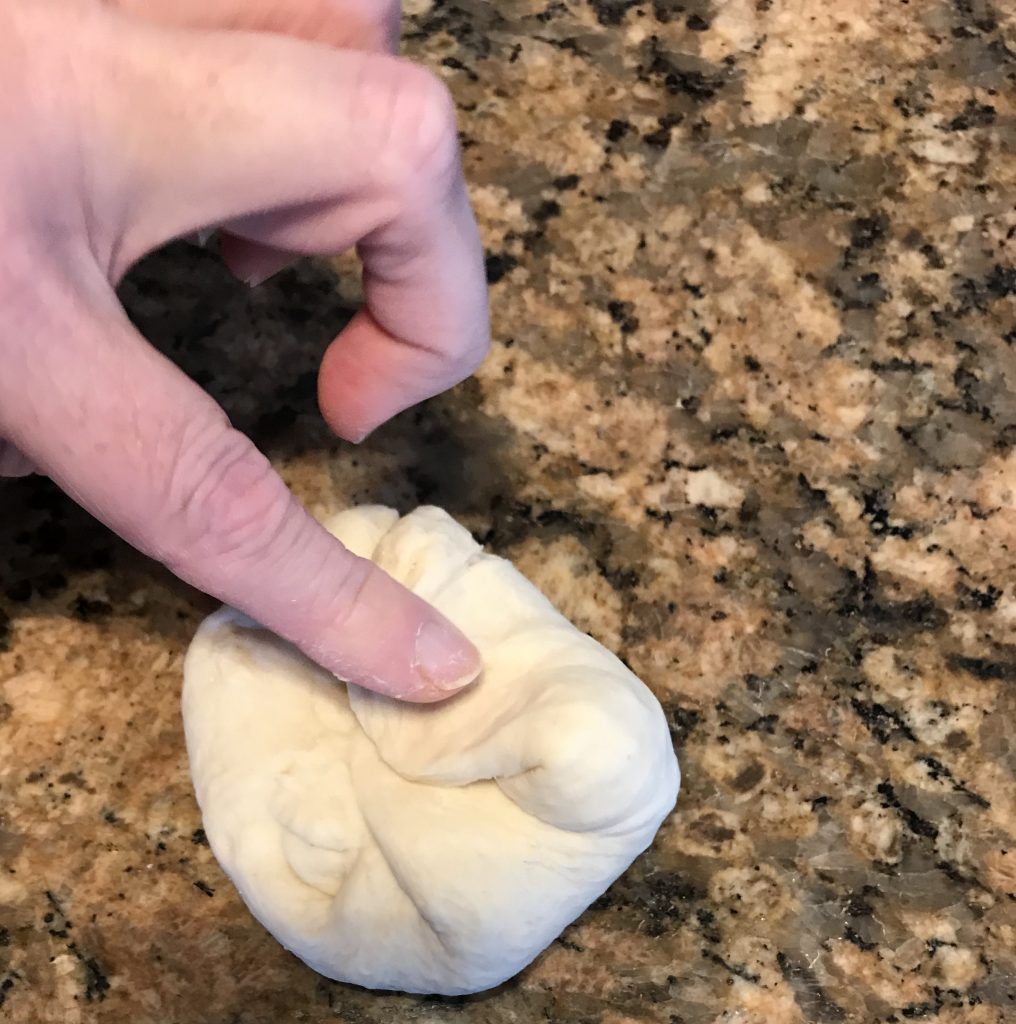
(426, 848)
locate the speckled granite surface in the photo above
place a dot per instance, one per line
(750, 418)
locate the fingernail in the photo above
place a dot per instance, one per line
(444, 657)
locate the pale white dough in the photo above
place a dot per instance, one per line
(428, 848)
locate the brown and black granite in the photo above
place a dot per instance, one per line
(750, 419)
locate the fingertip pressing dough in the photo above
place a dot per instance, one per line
(426, 848)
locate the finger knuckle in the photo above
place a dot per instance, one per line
(347, 588)
(423, 128)
(54, 90)
(226, 504)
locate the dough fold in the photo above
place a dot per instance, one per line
(426, 848)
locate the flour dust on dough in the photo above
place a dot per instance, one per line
(426, 848)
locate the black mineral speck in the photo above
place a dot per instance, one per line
(985, 668)
(96, 982)
(498, 265)
(622, 313)
(664, 898)
(611, 13)
(974, 115)
(660, 137)
(749, 778)
(88, 609)
(867, 231)
(913, 821)
(682, 721)
(617, 130)
(882, 722)
(548, 209)
(687, 81)
(1001, 281)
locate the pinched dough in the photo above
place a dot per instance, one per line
(428, 848)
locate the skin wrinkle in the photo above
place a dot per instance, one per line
(327, 213)
(104, 222)
(349, 592)
(179, 485)
(237, 493)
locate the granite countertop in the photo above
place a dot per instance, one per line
(750, 419)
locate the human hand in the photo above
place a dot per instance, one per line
(285, 123)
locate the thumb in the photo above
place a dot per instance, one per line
(146, 451)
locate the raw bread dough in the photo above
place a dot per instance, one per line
(427, 848)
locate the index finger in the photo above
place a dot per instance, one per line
(140, 446)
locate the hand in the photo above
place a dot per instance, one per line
(126, 125)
